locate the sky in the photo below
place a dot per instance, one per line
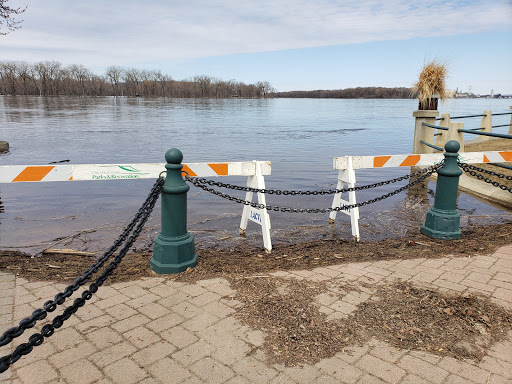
(292, 44)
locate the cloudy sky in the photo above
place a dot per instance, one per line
(293, 44)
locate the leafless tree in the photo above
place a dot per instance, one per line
(114, 74)
(51, 78)
(7, 17)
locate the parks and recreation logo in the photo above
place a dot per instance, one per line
(112, 172)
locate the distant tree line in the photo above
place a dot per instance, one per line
(51, 78)
(353, 93)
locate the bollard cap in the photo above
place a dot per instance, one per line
(173, 156)
(452, 146)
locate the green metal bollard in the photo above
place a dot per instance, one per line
(174, 248)
(443, 219)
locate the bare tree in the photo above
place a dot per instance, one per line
(24, 73)
(114, 74)
(7, 17)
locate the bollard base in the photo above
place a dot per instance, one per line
(173, 255)
(442, 224)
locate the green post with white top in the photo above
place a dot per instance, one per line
(174, 248)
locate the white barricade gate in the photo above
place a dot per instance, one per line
(347, 165)
(348, 176)
(254, 170)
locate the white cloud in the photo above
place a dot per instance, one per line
(120, 32)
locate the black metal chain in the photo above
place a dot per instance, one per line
(428, 173)
(472, 170)
(196, 181)
(48, 329)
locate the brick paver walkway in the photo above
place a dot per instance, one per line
(157, 330)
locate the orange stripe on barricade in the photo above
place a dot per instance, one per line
(220, 169)
(507, 156)
(410, 161)
(486, 159)
(379, 161)
(33, 173)
(190, 172)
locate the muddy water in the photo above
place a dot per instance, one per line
(300, 138)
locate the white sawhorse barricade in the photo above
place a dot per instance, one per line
(254, 170)
(348, 164)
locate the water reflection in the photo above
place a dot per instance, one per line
(300, 137)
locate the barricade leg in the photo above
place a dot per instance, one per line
(347, 176)
(174, 248)
(259, 216)
(443, 219)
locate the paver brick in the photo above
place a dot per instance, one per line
(112, 301)
(503, 294)
(480, 277)
(141, 301)
(211, 371)
(65, 338)
(254, 370)
(120, 311)
(80, 372)
(149, 355)
(388, 372)
(464, 369)
(104, 337)
(387, 353)
(192, 289)
(449, 285)
(193, 352)
(130, 323)
(179, 336)
(222, 288)
(141, 337)
(497, 379)
(165, 322)
(497, 366)
(37, 373)
(204, 299)
(133, 291)
(339, 369)
(89, 311)
(169, 371)
(413, 379)
(95, 323)
(153, 310)
(422, 369)
(125, 371)
(113, 353)
(71, 355)
(219, 309)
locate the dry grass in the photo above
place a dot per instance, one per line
(432, 81)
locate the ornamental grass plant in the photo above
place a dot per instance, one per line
(431, 85)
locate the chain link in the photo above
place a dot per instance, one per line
(47, 330)
(472, 170)
(427, 173)
(196, 181)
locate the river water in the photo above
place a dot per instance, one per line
(299, 136)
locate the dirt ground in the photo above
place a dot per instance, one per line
(246, 259)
